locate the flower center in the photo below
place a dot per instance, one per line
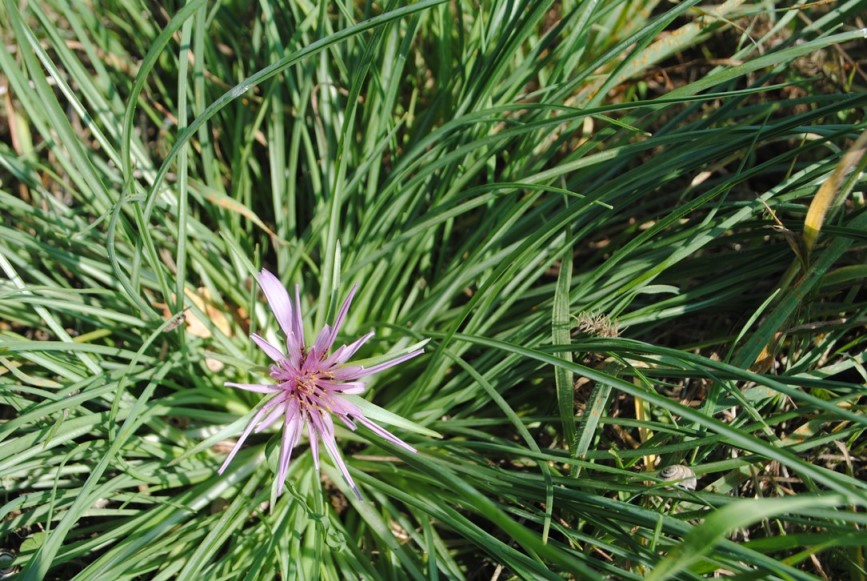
(305, 387)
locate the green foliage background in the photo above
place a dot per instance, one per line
(593, 210)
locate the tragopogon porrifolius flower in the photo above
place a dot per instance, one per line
(309, 384)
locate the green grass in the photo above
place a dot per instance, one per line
(594, 211)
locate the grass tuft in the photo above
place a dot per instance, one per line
(632, 233)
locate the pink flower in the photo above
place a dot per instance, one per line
(309, 384)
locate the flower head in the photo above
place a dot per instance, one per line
(309, 384)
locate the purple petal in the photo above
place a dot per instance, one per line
(349, 387)
(345, 352)
(313, 436)
(384, 434)
(294, 351)
(298, 324)
(349, 423)
(275, 413)
(278, 298)
(344, 407)
(257, 387)
(341, 316)
(291, 431)
(327, 434)
(269, 349)
(357, 371)
(243, 437)
(320, 347)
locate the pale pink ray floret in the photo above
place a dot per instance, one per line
(309, 384)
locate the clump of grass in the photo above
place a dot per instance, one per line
(493, 176)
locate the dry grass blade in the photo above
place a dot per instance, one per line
(834, 190)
